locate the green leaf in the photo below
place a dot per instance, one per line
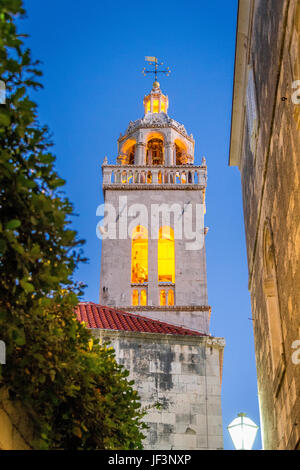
(19, 336)
(27, 286)
(48, 158)
(12, 224)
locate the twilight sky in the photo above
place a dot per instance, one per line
(93, 53)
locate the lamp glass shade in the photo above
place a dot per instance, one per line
(242, 431)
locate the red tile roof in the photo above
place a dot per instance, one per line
(108, 318)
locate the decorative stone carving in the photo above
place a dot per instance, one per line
(216, 342)
(157, 120)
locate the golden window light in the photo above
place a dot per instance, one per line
(143, 297)
(135, 297)
(166, 255)
(162, 297)
(171, 297)
(155, 106)
(139, 255)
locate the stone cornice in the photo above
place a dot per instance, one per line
(157, 122)
(208, 341)
(218, 343)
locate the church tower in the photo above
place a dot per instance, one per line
(153, 292)
(153, 252)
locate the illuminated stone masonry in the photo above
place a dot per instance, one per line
(153, 265)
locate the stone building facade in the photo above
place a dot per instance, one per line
(178, 368)
(265, 145)
(153, 266)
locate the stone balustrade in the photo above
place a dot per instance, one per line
(187, 175)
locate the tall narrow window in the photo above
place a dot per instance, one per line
(171, 297)
(166, 255)
(162, 299)
(139, 255)
(135, 297)
(155, 152)
(143, 297)
(155, 106)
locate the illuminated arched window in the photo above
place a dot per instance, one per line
(162, 297)
(135, 297)
(181, 152)
(127, 153)
(171, 297)
(143, 297)
(155, 152)
(155, 106)
(166, 255)
(131, 153)
(139, 255)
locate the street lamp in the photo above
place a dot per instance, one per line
(242, 431)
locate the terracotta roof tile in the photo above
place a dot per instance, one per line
(108, 318)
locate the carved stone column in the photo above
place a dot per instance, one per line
(169, 159)
(140, 153)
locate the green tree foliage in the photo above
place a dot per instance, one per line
(76, 395)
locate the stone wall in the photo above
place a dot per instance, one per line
(15, 427)
(270, 174)
(183, 374)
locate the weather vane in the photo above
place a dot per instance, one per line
(154, 61)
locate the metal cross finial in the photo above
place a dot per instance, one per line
(154, 61)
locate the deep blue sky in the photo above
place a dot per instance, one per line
(93, 53)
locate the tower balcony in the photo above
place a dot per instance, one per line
(154, 177)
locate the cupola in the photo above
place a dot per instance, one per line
(156, 101)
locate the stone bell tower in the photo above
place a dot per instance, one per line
(153, 251)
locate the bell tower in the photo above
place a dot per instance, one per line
(153, 250)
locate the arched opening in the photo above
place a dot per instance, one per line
(155, 106)
(155, 151)
(171, 297)
(128, 152)
(143, 297)
(139, 255)
(131, 154)
(166, 255)
(180, 152)
(162, 297)
(135, 297)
